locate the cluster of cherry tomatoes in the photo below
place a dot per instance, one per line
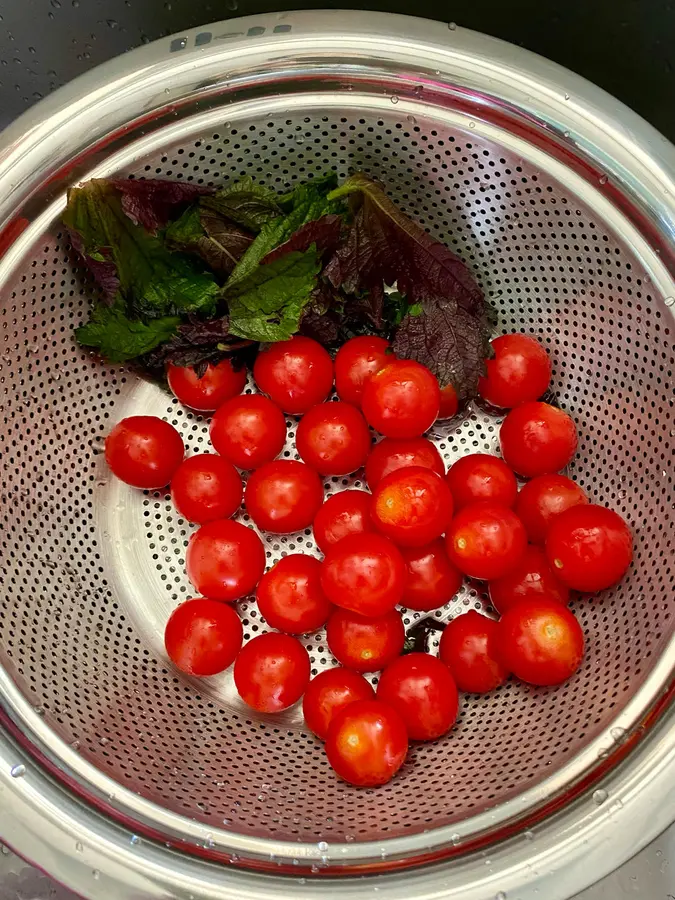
(408, 542)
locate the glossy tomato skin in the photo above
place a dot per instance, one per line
(422, 690)
(328, 694)
(431, 579)
(480, 476)
(272, 672)
(295, 374)
(589, 547)
(144, 451)
(364, 573)
(541, 642)
(333, 438)
(203, 637)
(402, 400)
(283, 496)
(367, 743)
(485, 540)
(206, 487)
(391, 454)
(531, 579)
(519, 371)
(412, 506)
(365, 644)
(249, 431)
(355, 362)
(290, 596)
(225, 560)
(449, 403)
(544, 498)
(206, 394)
(470, 649)
(347, 512)
(537, 438)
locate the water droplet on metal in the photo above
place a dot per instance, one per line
(349, 838)
(622, 494)
(18, 771)
(39, 710)
(472, 124)
(314, 870)
(456, 838)
(669, 301)
(599, 796)
(134, 840)
(412, 120)
(604, 179)
(394, 99)
(4, 850)
(234, 858)
(618, 734)
(500, 896)
(529, 835)
(567, 96)
(96, 874)
(55, 3)
(566, 134)
(75, 745)
(79, 847)
(452, 26)
(208, 841)
(322, 846)
(111, 23)
(299, 139)
(75, 3)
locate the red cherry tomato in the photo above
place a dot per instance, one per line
(225, 560)
(364, 573)
(412, 506)
(206, 487)
(519, 372)
(431, 579)
(480, 476)
(203, 637)
(589, 547)
(283, 496)
(449, 402)
(365, 644)
(290, 596)
(328, 694)
(391, 454)
(470, 650)
(347, 512)
(295, 374)
(544, 498)
(531, 579)
(333, 438)
(367, 743)
(248, 431)
(272, 672)
(485, 540)
(421, 689)
(540, 641)
(211, 390)
(537, 438)
(356, 360)
(402, 399)
(144, 451)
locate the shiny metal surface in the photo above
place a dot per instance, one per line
(562, 202)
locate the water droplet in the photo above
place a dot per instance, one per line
(96, 874)
(456, 838)
(75, 3)
(567, 96)
(234, 858)
(500, 896)
(299, 139)
(394, 99)
(75, 745)
(472, 124)
(600, 796)
(111, 23)
(18, 771)
(314, 870)
(97, 444)
(412, 120)
(669, 301)
(39, 710)
(349, 838)
(322, 846)
(134, 840)
(616, 807)
(79, 847)
(566, 134)
(604, 179)
(452, 26)
(529, 835)
(4, 850)
(618, 733)
(55, 3)
(208, 841)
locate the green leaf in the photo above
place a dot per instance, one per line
(309, 203)
(248, 204)
(212, 237)
(153, 281)
(321, 184)
(267, 304)
(119, 338)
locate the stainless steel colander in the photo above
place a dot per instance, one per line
(125, 779)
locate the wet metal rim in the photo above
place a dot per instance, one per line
(43, 820)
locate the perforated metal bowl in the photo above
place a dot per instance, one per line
(125, 779)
